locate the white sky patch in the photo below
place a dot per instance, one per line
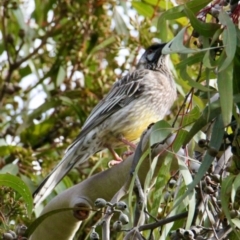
(153, 29)
(121, 58)
(50, 16)
(37, 43)
(118, 71)
(78, 76)
(3, 58)
(37, 97)
(28, 81)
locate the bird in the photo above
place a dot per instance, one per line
(140, 98)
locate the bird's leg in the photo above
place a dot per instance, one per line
(116, 160)
(128, 143)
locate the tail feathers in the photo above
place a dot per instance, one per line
(67, 163)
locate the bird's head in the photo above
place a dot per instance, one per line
(152, 58)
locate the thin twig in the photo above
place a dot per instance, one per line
(163, 222)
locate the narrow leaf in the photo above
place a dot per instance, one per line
(160, 131)
(229, 39)
(209, 113)
(143, 9)
(176, 45)
(178, 11)
(225, 198)
(191, 197)
(204, 29)
(216, 140)
(225, 87)
(235, 186)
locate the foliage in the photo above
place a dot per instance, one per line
(60, 58)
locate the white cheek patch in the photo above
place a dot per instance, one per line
(150, 56)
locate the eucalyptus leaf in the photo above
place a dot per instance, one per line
(212, 111)
(160, 131)
(176, 45)
(143, 9)
(10, 168)
(204, 29)
(235, 187)
(216, 140)
(229, 39)
(225, 87)
(178, 11)
(225, 198)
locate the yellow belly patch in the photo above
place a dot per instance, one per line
(137, 124)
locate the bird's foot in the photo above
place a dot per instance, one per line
(127, 154)
(114, 162)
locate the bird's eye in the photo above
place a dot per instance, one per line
(150, 55)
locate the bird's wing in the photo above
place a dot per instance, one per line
(121, 94)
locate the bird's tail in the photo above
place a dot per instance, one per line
(72, 157)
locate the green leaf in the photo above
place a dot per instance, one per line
(19, 186)
(9, 149)
(229, 39)
(216, 140)
(191, 197)
(38, 132)
(160, 131)
(100, 46)
(225, 87)
(104, 44)
(199, 86)
(178, 141)
(143, 9)
(24, 71)
(176, 45)
(208, 60)
(236, 73)
(60, 76)
(204, 29)
(217, 133)
(226, 188)
(235, 187)
(37, 113)
(209, 113)
(190, 60)
(236, 222)
(161, 182)
(163, 30)
(178, 12)
(10, 168)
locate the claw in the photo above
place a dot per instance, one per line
(127, 154)
(114, 162)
